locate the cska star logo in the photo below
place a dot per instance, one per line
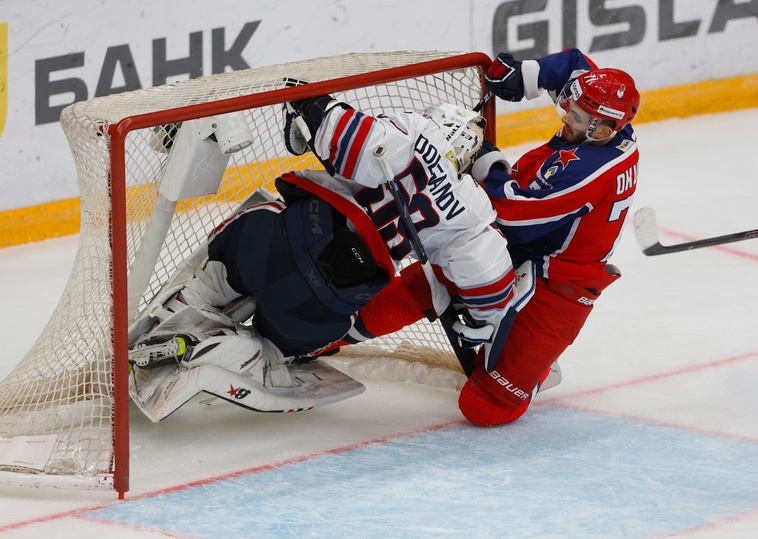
(566, 156)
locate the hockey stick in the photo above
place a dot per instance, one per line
(440, 296)
(483, 101)
(646, 230)
(441, 300)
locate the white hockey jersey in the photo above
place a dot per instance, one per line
(453, 215)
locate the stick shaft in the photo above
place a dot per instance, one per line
(645, 229)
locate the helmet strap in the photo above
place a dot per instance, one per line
(592, 128)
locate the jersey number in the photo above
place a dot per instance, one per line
(384, 213)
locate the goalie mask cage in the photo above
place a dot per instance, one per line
(64, 410)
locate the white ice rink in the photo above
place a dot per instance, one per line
(653, 432)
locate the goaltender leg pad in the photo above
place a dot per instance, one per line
(189, 319)
(160, 392)
(209, 287)
(232, 362)
(155, 311)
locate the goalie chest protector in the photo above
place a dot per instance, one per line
(307, 271)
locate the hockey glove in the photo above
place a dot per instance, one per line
(504, 78)
(294, 139)
(471, 333)
(313, 111)
(487, 158)
(301, 121)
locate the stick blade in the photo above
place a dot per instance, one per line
(646, 230)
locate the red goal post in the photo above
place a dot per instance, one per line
(68, 397)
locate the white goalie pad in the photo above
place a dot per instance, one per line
(160, 392)
(228, 360)
(187, 270)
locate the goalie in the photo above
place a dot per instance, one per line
(283, 281)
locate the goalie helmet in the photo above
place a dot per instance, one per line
(463, 129)
(604, 94)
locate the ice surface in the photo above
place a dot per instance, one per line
(653, 432)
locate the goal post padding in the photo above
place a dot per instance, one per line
(68, 397)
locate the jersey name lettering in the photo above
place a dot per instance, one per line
(626, 180)
(438, 181)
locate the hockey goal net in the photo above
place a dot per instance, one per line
(64, 410)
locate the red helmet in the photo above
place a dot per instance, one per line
(607, 94)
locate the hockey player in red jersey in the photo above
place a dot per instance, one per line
(562, 205)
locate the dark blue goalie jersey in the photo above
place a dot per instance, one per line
(307, 270)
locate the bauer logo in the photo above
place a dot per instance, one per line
(3, 75)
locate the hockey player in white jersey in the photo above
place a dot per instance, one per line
(428, 154)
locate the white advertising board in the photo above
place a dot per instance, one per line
(53, 53)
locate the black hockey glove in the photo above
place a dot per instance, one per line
(504, 79)
(487, 147)
(289, 191)
(313, 110)
(294, 139)
(301, 121)
(468, 332)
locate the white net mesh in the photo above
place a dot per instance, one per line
(63, 388)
